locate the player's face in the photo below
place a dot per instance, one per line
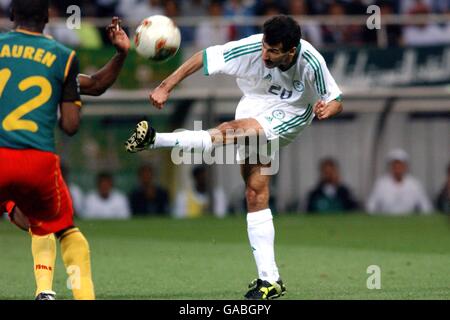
(274, 56)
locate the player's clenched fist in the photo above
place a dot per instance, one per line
(320, 110)
(158, 97)
(325, 110)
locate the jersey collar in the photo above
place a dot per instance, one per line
(31, 33)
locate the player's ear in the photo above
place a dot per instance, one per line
(293, 51)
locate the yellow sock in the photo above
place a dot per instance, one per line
(43, 249)
(76, 257)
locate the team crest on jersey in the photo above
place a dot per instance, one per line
(278, 114)
(268, 77)
(298, 86)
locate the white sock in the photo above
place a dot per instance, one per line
(187, 140)
(261, 234)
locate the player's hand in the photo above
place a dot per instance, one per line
(158, 97)
(118, 37)
(321, 110)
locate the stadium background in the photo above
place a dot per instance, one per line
(396, 88)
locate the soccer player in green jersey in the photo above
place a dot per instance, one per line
(36, 75)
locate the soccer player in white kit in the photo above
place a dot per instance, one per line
(285, 84)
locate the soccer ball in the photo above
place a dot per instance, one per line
(157, 38)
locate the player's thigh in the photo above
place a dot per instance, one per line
(237, 131)
(41, 193)
(59, 204)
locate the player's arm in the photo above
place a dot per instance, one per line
(325, 110)
(160, 95)
(70, 105)
(99, 82)
(330, 103)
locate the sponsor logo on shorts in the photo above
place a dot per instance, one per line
(298, 86)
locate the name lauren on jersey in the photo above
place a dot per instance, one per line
(28, 52)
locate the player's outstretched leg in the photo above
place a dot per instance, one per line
(142, 138)
(145, 137)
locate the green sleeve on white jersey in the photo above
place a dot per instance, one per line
(234, 58)
(320, 77)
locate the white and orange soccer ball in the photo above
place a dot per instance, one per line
(157, 38)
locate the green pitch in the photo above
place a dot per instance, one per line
(322, 257)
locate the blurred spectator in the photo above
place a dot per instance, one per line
(58, 29)
(355, 7)
(410, 6)
(392, 32)
(319, 7)
(443, 199)
(210, 32)
(341, 34)
(105, 202)
(105, 9)
(75, 191)
(138, 10)
(310, 32)
(194, 8)
(440, 6)
(194, 202)
(171, 9)
(148, 198)
(330, 195)
(398, 193)
(269, 8)
(240, 8)
(423, 34)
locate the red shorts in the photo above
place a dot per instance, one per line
(32, 180)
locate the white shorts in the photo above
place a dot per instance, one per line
(281, 122)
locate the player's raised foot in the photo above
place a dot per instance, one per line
(264, 290)
(142, 138)
(46, 295)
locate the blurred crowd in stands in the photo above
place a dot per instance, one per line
(207, 32)
(395, 193)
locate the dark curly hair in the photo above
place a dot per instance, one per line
(30, 10)
(282, 29)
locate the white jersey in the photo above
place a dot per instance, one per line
(302, 85)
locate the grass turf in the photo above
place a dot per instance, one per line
(319, 257)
